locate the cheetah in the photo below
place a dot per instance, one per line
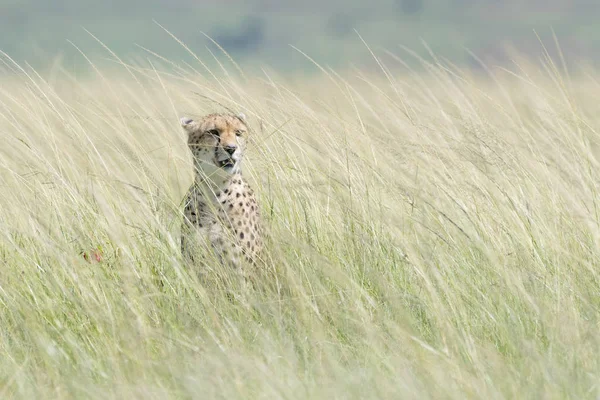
(220, 208)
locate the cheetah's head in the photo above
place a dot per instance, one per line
(217, 142)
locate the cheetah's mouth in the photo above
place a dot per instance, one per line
(226, 163)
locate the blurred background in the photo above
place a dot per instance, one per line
(260, 32)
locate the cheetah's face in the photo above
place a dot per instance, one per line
(217, 142)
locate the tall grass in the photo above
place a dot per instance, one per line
(431, 235)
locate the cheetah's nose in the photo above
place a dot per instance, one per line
(231, 148)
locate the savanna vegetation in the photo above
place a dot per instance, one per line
(432, 234)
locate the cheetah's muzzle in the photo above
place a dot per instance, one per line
(227, 163)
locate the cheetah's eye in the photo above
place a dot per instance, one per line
(238, 133)
(213, 132)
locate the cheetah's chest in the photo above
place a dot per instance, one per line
(228, 219)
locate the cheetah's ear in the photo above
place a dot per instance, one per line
(242, 117)
(188, 124)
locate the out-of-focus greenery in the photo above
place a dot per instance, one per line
(259, 32)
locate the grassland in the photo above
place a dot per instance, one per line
(431, 235)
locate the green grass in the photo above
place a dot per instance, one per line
(431, 235)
